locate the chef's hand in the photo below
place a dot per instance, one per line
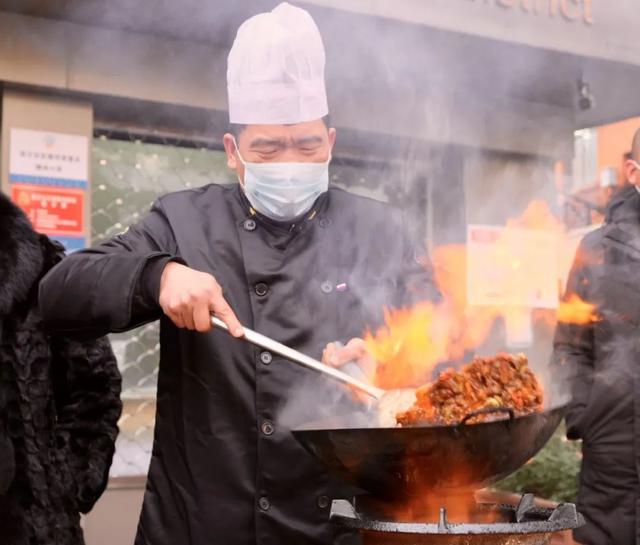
(189, 297)
(355, 351)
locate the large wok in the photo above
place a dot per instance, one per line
(400, 462)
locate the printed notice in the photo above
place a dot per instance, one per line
(51, 210)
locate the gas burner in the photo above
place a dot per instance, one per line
(525, 524)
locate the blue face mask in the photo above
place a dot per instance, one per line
(284, 191)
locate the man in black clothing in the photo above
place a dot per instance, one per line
(279, 252)
(602, 361)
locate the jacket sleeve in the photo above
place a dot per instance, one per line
(114, 286)
(572, 362)
(87, 397)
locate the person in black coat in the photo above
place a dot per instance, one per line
(601, 360)
(59, 402)
(280, 252)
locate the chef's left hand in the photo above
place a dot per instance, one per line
(355, 351)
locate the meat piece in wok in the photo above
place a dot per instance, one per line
(501, 381)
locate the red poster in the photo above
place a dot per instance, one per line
(52, 210)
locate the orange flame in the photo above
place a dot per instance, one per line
(538, 216)
(576, 311)
(403, 348)
(416, 341)
(459, 502)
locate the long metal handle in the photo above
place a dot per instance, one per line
(298, 357)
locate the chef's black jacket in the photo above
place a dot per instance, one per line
(225, 467)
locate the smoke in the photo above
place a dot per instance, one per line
(322, 403)
(451, 129)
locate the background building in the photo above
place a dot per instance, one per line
(460, 111)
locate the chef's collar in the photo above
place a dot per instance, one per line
(296, 224)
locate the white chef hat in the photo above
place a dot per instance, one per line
(275, 70)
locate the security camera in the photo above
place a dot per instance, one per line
(586, 100)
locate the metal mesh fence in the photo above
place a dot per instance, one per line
(128, 174)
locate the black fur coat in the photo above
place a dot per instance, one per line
(59, 402)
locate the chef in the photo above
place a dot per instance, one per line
(279, 252)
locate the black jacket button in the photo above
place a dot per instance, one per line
(326, 287)
(267, 428)
(323, 502)
(261, 289)
(249, 225)
(264, 503)
(266, 357)
(324, 222)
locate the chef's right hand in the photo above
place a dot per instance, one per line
(189, 297)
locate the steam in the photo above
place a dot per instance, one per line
(321, 403)
(426, 119)
(471, 148)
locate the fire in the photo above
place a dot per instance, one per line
(459, 501)
(538, 216)
(576, 311)
(416, 342)
(460, 506)
(408, 346)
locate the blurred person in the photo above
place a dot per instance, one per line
(601, 361)
(624, 184)
(280, 252)
(59, 402)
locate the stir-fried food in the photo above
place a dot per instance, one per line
(501, 381)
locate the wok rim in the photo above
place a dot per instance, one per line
(400, 429)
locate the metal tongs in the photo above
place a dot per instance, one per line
(387, 403)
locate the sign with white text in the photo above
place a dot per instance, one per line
(48, 174)
(48, 158)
